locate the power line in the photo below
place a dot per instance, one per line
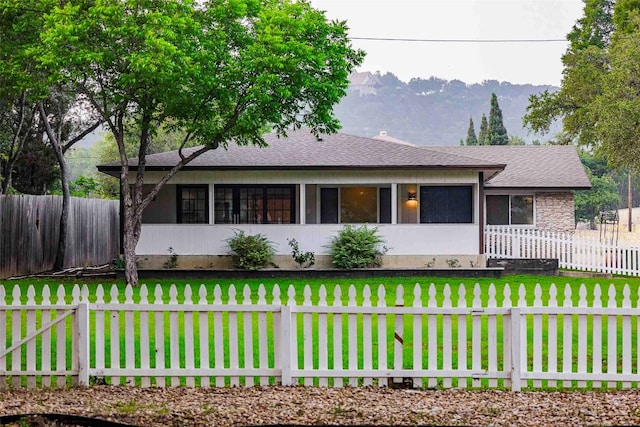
(399, 39)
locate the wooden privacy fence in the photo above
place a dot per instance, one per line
(29, 232)
(336, 337)
(573, 252)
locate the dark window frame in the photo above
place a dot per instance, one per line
(510, 208)
(383, 214)
(180, 212)
(264, 188)
(442, 195)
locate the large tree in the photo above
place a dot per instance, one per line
(496, 132)
(471, 134)
(585, 63)
(483, 134)
(60, 118)
(219, 70)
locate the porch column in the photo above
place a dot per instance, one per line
(303, 204)
(394, 203)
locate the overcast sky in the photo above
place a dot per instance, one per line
(537, 63)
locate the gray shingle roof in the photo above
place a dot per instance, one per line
(301, 150)
(544, 167)
(530, 166)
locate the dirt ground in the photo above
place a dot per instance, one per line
(255, 406)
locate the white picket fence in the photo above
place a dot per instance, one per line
(574, 252)
(433, 337)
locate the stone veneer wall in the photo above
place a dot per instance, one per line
(555, 212)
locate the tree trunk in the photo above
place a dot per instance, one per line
(58, 264)
(129, 242)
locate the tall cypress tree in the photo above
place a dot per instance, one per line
(483, 136)
(496, 133)
(471, 134)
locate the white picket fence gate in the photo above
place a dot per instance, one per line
(573, 252)
(433, 337)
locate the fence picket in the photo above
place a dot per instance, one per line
(612, 342)
(596, 342)
(323, 350)
(61, 344)
(247, 323)
(114, 337)
(307, 335)
(476, 335)
(492, 336)
(367, 338)
(352, 331)
(537, 334)
(47, 316)
(382, 335)
(203, 338)
(145, 348)
(398, 341)
(418, 350)
(338, 362)
(130, 336)
(447, 336)
(582, 335)
(31, 345)
(552, 335)
(463, 363)
(159, 334)
(188, 336)
(432, 346)
(218, 336)
(506, 334)
(263, 357)
(234, 362)
(567, 335)
(626, 336)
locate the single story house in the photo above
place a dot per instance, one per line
(430, 204)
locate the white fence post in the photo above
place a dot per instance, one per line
(82, 323)
(515, 349)
(285, 344)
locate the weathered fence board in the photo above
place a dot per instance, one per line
(137, 339)
(29, 232)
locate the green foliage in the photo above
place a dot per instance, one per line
(250, 252)
(357, 247)
(471, 134)
(496, 132)
(483, 136)
(605, 192)
(303, 259)
(84, 187)
(172, 262)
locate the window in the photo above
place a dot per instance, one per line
(509, 209)
(446, 204)
(193, 204)
(254, 204)
(349, 205)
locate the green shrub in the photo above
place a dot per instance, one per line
(357, 248)
(250, 252)
(303, 259)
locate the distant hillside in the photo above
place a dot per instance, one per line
(431, 111)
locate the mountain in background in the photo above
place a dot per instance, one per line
(432, 111)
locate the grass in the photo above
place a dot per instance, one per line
(389, 284)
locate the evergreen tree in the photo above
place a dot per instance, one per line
(483, 136)
(471, 134)
(496, 132)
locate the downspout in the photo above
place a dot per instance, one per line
(481, 210)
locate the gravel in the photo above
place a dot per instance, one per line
(273, 405)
